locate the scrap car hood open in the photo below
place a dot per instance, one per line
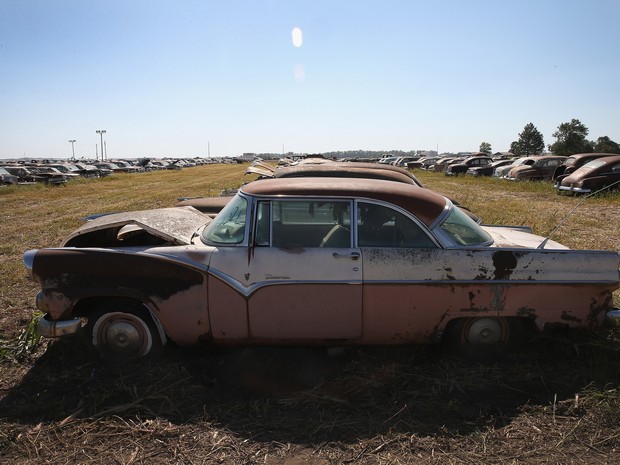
(176, 225)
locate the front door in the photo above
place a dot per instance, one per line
(301, 276)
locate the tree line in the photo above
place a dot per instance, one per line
(570, 138)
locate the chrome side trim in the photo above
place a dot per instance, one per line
(247, 291)
(514, 282)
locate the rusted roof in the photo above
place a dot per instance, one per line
(423, 203)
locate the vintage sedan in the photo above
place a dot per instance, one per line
(7, 179)
(573, 163)
(455, 169)
(542, 169)
(488, 170)
(315, 261)
(603, 172)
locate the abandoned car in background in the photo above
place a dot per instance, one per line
(573, 163)
(542, 169)
(330, 261)
(316, 168)
(597, 174)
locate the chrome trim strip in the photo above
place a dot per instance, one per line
(490, 282)
(247, 291)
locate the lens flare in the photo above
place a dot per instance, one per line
(297, 37)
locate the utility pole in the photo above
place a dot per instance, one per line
(101, 132)
(72, 141)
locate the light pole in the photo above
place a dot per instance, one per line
(72, 141)
(101, 132)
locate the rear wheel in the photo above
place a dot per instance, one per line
(486, 338)
(122, 332)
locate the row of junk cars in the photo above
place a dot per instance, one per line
(579, 173)
(58, 173)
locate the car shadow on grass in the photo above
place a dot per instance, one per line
(309, 395)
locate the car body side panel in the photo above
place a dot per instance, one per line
(424, 289)
(416, 312)
(296, 294)
(228, 312)
(174, 291)
(307, 312)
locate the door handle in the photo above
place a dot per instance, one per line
(351, 255)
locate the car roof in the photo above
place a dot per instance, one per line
(424, 204)
(579, 156)
(348, 170)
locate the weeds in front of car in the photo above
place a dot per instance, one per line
(26, 342)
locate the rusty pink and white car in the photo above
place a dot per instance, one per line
(315, 261)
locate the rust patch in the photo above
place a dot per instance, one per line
(504, 262)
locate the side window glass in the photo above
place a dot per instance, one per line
(381, 226)
(263, 224)
(311, 223)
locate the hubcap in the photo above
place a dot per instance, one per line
(485, 331)
(123, 334)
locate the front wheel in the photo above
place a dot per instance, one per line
(122, 332)
(486, 338)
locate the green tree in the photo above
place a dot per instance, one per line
(570, 138)
(606, 145)
(485, 147)
(530, 142)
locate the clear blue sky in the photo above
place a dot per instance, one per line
(169, 78)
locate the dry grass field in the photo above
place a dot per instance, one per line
(557, 401)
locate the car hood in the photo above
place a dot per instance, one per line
(515, 236)
(176, 225)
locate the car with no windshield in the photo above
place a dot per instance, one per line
(327, 261)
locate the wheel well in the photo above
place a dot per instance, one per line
(85, 308)
(527, 325)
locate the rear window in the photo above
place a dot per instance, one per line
(593, 164)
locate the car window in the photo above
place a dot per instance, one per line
(464, 231)
(593, 164)
(229, 226)
(304, 223)
(381, 226)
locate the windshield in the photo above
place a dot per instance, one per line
(229, 226)
(463, 230)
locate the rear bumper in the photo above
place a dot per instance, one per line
(58, 328)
